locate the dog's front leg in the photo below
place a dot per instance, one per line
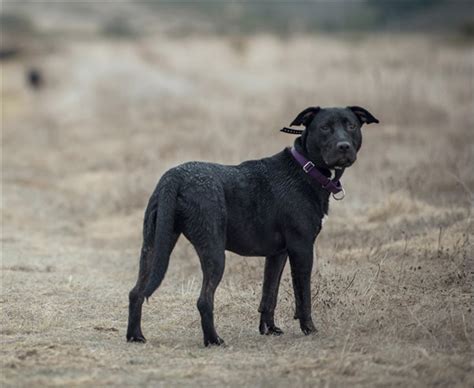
(271, 282)
(301, 262)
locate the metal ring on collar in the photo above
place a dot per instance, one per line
(340, 197)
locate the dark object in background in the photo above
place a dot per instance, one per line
(270, 207)
(34, 78)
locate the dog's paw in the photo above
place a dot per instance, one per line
(217, 341)
(307, 327)
(136, 338)
(266, 329)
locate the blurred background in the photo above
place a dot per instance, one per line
(100, 98)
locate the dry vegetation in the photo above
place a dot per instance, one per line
(392, 286)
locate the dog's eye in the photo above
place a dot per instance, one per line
(351, 127)
(325, 128)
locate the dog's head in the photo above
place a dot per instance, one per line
(332, 136)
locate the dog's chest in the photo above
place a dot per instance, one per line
(324, 219)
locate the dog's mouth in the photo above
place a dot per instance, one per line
(344, 163)
(340, 162)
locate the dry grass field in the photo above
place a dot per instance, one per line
(392, 287)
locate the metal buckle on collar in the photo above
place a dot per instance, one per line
(308, 167)
(341, 197)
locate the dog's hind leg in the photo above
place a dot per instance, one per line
(274, 266)
(212, 264)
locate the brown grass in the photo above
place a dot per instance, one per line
(393, 282)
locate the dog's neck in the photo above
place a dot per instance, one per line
(318, 161)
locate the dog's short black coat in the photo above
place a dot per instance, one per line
(268, 207)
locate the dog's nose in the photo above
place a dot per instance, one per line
(343, 146)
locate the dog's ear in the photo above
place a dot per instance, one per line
(305, 117)
(364, 116)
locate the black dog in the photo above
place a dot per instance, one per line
(270, 207)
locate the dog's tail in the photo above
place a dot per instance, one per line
(159, 235)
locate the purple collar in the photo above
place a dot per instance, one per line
(332, 185)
